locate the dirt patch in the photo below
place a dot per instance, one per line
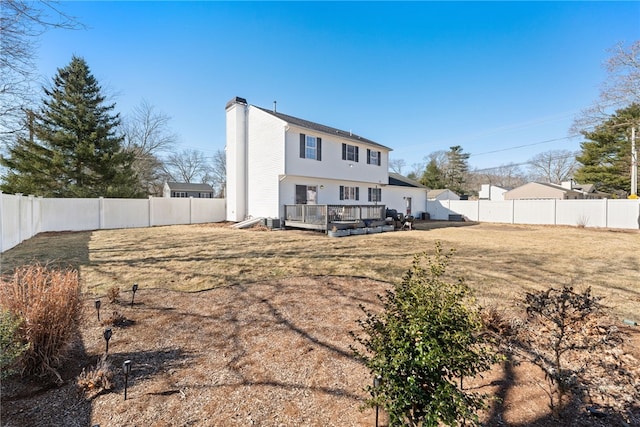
(271, 353)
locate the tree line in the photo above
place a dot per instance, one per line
(605, 155)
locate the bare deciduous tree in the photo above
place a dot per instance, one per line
(217, 174)
(187, 166)
(21, 23)
(149, 137)
(396, 165)
(553, 166)
(620, 89)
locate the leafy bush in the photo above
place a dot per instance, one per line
(48, 302)
(422, 345)
(11, 349)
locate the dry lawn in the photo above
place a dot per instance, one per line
(265, 340)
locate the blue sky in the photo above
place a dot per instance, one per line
(417, 76)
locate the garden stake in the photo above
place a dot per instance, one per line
(134, 289)
(98, 303)
(126, 367)
(107, 336)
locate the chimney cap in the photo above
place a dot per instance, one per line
(236, 100)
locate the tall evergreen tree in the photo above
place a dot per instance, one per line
(433, 176)
(457, 169)
(606, 154)
(73, 149)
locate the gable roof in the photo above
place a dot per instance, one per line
(432, 194)
(186, 186)
(403, 181)
(322, 128)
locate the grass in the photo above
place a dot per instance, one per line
(500, 262)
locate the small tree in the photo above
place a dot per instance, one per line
(422, 345)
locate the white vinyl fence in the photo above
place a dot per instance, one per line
(604, 213)
(22, 217)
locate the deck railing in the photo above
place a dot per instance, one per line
(325, 214)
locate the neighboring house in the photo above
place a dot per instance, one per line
(491, 192)
(542, 190)
(588, 191)
(442, 194)
(274, 160)
(185, 189)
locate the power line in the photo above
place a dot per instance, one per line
(524, 145)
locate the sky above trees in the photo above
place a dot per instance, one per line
(503, 80)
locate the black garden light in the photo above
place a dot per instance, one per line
(376, 384)
(134, 288)
(107, 336)
(98, 304)
(126, 368)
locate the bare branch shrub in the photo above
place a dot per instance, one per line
(113, 294)
(48, 302)
(578, 347)
(96, 380)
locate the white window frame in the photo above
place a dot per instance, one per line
(350, 153)
(311, 147)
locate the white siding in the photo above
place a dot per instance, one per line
(332, 166)
(265, 164)
(236, 163)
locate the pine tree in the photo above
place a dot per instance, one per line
(74, 149)
(457, 168)
(606, 154)
(433, 176)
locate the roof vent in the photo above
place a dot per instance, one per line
(274, 106)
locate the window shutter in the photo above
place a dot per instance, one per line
(302, 145)
(319, 149)
(368, 156)
(344, 151)
(370, 193)
(357, 155)
(357, 193)
(342, 192)
(379, 157)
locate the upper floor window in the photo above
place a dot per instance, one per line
(310, 147)
(349, 152)
(349, 193)
(179, 194)
(373, 157)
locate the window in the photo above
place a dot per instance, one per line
(349, 152)
(310, 147)
(179, 194)
(349, 193)
(373, 157)
(375, 194)
(306, 194)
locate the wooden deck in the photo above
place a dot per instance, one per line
(325, 217)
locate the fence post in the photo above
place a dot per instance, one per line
(1, 224)
(513, 211)
(190, 209)
(19, 196)
(100, 212)
(150, 211)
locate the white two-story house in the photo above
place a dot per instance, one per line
(274, 160)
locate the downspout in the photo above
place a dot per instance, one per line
(246, 161)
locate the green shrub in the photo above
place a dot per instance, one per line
(11, 349)
(422, 345)
(48, 301)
